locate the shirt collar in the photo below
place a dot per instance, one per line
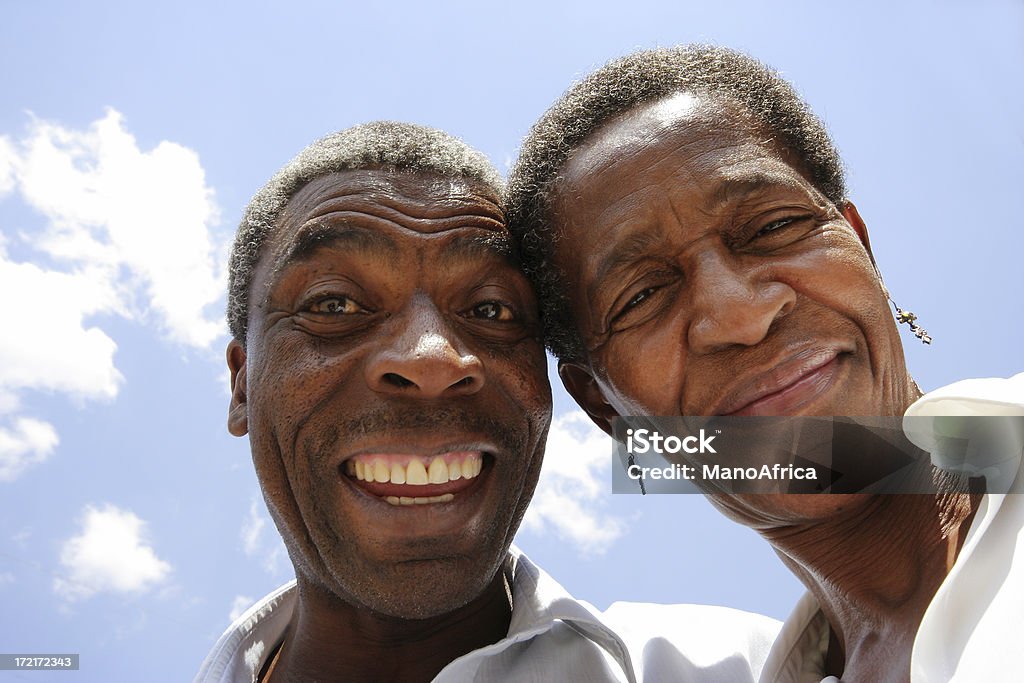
(798, 654)
(538, 602)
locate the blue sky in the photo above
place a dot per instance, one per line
(131, 137)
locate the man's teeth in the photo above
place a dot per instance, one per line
(415, 472)
(395, 500)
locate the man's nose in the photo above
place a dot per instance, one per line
(733, 303)
(425, 359)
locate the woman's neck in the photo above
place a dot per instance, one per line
(874, 571)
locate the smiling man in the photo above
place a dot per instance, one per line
(388, 370)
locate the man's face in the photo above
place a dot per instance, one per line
(394, 388)
(709, 277)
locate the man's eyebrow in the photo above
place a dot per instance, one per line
(476, 247)
(319, 235)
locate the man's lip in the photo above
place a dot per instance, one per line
(405, 446)
(419, 446)
(471, 466)
(782, 387)
(453, 500)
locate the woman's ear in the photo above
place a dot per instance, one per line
(581, 385)
(852, 217)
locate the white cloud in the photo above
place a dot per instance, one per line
(123, 232)
(270, 551)
(31, 441)
(252, 528)
(571, 498)
(6, 578)
(8, 402)
(6, 166)
(239, 605)
(47, 346)
(144, 214)
(111, 554)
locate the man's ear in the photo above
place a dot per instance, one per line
(582, 386)
(238, 409)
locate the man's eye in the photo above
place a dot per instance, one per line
(492, 310)
(335, 305)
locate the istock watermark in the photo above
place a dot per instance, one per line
(645, 440)
(814, 455)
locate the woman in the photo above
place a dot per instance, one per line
(684, 218)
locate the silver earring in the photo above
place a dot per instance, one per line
(631, 462)
(908, 318)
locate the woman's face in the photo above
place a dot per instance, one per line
(710, 277)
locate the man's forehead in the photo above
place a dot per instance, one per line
(424, 193)
(368, 210)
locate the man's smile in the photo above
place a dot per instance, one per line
(415, 497)
(409, 479)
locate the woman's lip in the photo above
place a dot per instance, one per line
(788, 388)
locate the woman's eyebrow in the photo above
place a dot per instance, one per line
(745, 184)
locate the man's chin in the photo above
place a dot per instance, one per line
(421, 589)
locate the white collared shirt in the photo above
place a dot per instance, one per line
(551, 638)
(971, 630)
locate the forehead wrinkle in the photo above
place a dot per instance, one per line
(597, 161)
(401, 208)
(745, 184)
(662, 153)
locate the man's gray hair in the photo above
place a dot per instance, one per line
(401, 147)
(624, 84)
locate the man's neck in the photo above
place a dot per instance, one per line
(329, 639)
(874, 572)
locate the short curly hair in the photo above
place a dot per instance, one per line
(401, 147)
(624, 84)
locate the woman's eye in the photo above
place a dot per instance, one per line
(775, 225)
(638, 299)
(335, 305)
(492, 310)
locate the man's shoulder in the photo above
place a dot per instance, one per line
(242, 648)
(674, 641)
